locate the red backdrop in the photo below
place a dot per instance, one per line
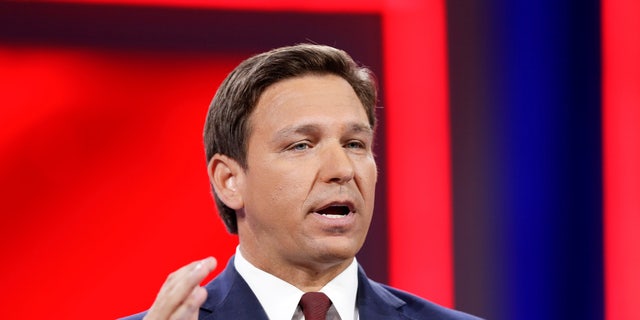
(104, 184)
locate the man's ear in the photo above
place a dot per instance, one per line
(225, 174)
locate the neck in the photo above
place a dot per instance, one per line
(304, 275)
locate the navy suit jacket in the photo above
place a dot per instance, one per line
(229, 297)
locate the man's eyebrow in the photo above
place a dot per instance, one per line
(359, 127)
(312, 129)
(304, 129)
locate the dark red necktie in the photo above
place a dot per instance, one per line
(315, 305)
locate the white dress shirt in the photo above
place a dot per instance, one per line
(280, 299)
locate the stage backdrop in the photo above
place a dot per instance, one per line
(508, 148)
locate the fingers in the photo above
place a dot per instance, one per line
(181, 295)
(189, 309)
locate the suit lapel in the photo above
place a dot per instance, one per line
(229, 297)
(374, 302)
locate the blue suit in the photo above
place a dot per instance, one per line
(229, 297)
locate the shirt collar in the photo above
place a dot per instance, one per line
(280, 299)
(342, 291)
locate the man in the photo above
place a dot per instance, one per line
(288, 139)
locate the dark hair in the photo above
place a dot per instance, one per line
(226, 130)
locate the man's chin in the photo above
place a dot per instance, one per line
(336, 252)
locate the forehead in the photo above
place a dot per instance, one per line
(312, 97)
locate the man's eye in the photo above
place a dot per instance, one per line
(300, 146)
(355, 145)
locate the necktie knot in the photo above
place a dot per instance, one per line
(315, 305)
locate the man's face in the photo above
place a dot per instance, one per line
(309, 188)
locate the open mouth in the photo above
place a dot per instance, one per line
(335, 211)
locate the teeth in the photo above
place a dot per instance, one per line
(333, 216)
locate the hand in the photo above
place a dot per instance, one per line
(181, 295)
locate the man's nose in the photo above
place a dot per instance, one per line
(337, 166)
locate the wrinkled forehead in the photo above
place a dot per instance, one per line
(282, 91)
